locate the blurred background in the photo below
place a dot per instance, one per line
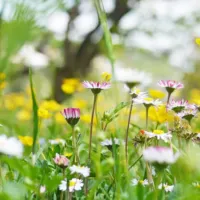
(64, 39)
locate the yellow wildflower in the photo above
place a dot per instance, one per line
(23, 115)
(68, 154)
(14, 100)
(71, 85)
(59, 118)
(71, 81)
(68, 89)
(3, 85)
(80, 103)
(2, 76)
(43, 113)
(106, 76)
(26, 140)
(197, 41)
(51, 105)
(87, 118)
(157, 94)
(160, 114)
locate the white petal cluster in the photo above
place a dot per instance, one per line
(11, 146)
(147, 101)
(160, 155)
(135, 182)
(75, 184)
(159, 134)
(166, 187)
(63, 185)
(57, 141)
(108, 142)
(85, 171)
(129, 75)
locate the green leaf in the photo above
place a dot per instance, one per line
(14, 190)
(35, 112)
(107, 35)
(110, 115)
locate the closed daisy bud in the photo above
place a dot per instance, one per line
(72, 115)
(61, 161)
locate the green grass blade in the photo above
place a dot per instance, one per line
(35, 112)
(107, 35)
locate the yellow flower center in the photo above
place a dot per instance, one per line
(148, 99)
(68, 154)
(141, 181)
(106, 76)
(136, 90)
(72, 183)
(197, 41)
(158, 132)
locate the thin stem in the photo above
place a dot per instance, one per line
(168, 98)
(90, 142)
(62, 192)
(135, 162)
(91, 125)
(74, 145)
(157, 182)
(147, 115)
(126, 138)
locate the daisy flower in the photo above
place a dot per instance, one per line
(96, 87)
(135, 182)
(42, 189)
(11, 146)
(108, 142)
(132, 77)
(166, 187)
(63, 185)
(61, 161)
(85, 171)
(170, 85)
(159, 134)
(147, 101)
(72, 115)
(136, 93)
(196, 184)
(177, 106)
(75, 184)
(189, 113)
(57, 141)
(160, 155)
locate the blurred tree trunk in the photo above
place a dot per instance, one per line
(77, 59)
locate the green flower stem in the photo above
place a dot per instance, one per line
(126, 138)
(62, 192)
(157, 182)
(147, 115)
(168, 97)
(91, 126)
(74, 145)
(90, 141)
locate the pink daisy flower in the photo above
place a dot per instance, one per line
(170, 85)
(160, 155)
(188, 113)
(177, 106)
(72, 115)
(61, 161)
(96, 87)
